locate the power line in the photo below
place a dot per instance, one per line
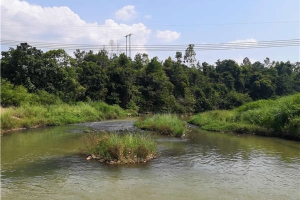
(168, 25)
(177, 47)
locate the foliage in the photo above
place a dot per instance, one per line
(166, 124)
(190, 55)
(31, 76)
(120, 148)
(13, 95)
(278, 117)
(18, 95)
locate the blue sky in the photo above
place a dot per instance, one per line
(157, 22)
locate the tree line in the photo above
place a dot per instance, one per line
(182, 85)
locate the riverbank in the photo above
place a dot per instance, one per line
(33, 116)
(278, 118)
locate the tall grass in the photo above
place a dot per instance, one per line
(166, 124)
(120, 148)
(27, 116)
(265, 117)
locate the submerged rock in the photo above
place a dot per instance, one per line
(89, 158)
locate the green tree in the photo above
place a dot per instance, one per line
(121, 86)
(178, 56)
(190, 55)
(156, 89)
(261, 87)
(182, 92)
(21, 65)
(285, 79)
(246, 61)
(92, 77)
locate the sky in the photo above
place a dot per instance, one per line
(158, 27)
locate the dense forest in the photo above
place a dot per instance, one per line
(182, 85)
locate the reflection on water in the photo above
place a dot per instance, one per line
(46, 164)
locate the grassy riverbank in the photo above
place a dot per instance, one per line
(279, 117)
(166, 124)
(120, 148)
(29, 116)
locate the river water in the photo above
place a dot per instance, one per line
(46, 163)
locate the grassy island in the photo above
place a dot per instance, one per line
(280, 117)
(120, 148)
(166, 124)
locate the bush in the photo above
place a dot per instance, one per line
(13, 95)
(293, 128)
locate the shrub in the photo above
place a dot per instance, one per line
(13, 95)
(293, 128)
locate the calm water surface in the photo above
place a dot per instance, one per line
(47, 164)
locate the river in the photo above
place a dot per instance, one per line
(46, 163)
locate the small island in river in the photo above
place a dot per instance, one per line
(119, 148)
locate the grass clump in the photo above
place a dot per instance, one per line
(278, 117)
(114, 148)
(166, 124)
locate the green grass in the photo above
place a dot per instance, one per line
(120, 148)
(27, 116)
(280, 117)
(166, 124)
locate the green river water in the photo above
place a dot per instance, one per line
(46, 163)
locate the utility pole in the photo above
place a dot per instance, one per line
(130, 34)
(130, 45)
(126, 43)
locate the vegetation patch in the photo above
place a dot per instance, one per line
(280, 117)
(29, 116)
(167, 124)
(117, 148)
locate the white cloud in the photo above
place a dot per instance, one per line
(251, 40)
(26, 22)
(167, 35)
(126, 13)
(148, 16)
(244, 43)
